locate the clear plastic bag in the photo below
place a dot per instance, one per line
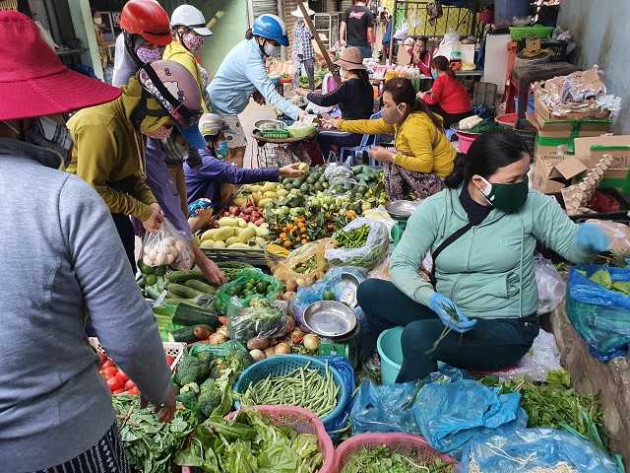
(369, 255)
(167, 246)
(304, 265)
(535, 450)
(252, 278)
(618, 233)
(601, 316)
(551, 285)
(260, 320)
(340, 179)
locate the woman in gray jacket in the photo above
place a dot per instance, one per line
(61, 259)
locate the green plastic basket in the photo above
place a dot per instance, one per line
(523, 32)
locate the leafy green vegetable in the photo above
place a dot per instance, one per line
(191, 370)
(555, 404)
(602, 277)
(381, 459)
(250, 444)
(623, 287)
(151, 445)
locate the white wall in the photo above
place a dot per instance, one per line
(600, 28)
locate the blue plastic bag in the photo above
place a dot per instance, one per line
(343, 366)
(451, 415)
(525, 449)
(601, 316)
(384, 408)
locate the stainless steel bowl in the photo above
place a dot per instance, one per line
(330, 319)
(348, 285)
(269, 125)
(402, 208)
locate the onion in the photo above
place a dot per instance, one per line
(282, 349)
(269, 352)
(257, 355)
(311, 342)
(291, 285)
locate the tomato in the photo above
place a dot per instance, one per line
(133, 390)
(129, 384)
(122, 377)
(118, 391)
(169, 360)
(108, 363)
(110, 371)
(114, 384)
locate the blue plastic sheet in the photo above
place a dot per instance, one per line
(386, 408)
(601, 316)
(525, 449)
(451, 415)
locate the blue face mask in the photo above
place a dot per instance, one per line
(434, 73)
(221, 149)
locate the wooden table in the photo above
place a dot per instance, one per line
(295, 149)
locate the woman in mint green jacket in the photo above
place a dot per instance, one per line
(485, 276)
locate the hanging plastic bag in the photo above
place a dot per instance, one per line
(551, 285)
(167, 246)
(601, 316)
(543, 450)
(451, 415)
(367, 256)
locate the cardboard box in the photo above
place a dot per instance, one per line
(544, 114)
(590, 150)
(568, 128)
(544, 184)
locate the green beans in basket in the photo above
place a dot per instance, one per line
(304, 387)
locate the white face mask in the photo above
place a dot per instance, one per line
(271, 50)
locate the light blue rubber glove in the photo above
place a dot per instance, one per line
(591, 237)
(441, 304)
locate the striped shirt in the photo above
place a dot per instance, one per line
(302, 42)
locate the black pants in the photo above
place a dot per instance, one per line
(493, 344)
(449, 118)
(107, 456)
(127, 236)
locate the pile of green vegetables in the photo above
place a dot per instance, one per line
(260, 320)
(603, 278)
(556, 404)
(151, 445)
(304, 387)
(204, 378)
(382, 459)
(356, 238)
(250, 285)
(250, 444)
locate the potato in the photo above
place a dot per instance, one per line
(258, 343)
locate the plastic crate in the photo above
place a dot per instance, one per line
(174, 349)
(284, 364)
(537, 31)
(406, 444)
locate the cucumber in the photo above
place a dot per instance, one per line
(184, 335)
(186, 314)
(183, 292)
(183, 276)
(201, 287)
(153, 292)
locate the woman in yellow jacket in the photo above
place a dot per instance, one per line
(423, 156)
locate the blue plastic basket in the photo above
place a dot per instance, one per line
(283, 364)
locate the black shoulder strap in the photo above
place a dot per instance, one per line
(444, 245)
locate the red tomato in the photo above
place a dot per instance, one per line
(108, 363)
(114, 384)
(133, 390)
(118, 391)
(129, 384)
(122, 377)
(169, 360)
(110, 371)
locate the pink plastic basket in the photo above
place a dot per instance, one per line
(465, 141)
(404, 443)
(304, 422)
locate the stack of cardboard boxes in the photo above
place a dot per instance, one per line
(563, 148)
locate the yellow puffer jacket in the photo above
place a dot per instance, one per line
(421, 146)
